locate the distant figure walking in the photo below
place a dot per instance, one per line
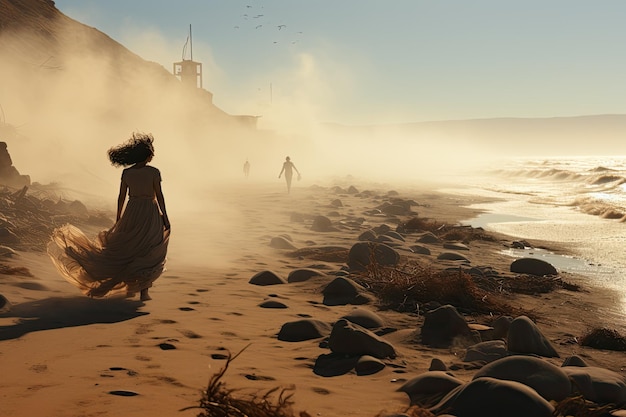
(288, 168)
(130, 256)
(246, 168)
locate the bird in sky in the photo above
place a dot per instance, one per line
(259, 26)
(280, 27)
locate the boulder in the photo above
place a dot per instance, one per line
(533, 266)
(547, 379)
(525, 337)
(444, 325)
(307, 329)
(362, 253)
(490, 397)
(424, 387)
(303, 274)
(264, 278)
(322, 224)
(342, 290)
(599, 385)
(279, 242)
(364, 318)
(351, 339)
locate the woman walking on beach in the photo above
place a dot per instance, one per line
(130, 256)
(288, 168)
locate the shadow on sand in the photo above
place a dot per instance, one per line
(60, 312)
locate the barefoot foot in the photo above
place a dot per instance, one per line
(144, 296)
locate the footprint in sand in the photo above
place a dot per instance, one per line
(254, 377)
(219, 356)
(186, 309)
(190, 334)
(39, 368)
(319, 390)
(202, 290)
(34, 286)
(123, 393)
(166, 346)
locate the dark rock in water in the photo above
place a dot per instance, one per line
(444, 325)
(307, 329)
(303, 274)
(322, 224)
(343, 290)
(489, 397)
(280, 242)
(272, 304)
(547, 379)
(429, 386)
(599, 385)
(525, 337)
(266, 278)
(533, 266)
(352, 339)
(364, 318)
(361, 254)
(368, 365)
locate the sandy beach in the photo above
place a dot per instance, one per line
(63, 354)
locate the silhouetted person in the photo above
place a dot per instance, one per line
(288, 168)
(246, 168)
(129, 256)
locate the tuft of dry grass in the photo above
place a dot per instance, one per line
(580, 407)
(219, 401)
(404, 288)
(604, 338)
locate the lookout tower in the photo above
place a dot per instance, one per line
(188, 71)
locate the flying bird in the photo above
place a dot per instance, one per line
(281, 26)
(258, 26)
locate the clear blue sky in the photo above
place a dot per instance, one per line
(366, 61)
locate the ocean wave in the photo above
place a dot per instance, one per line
(606, 179)
(600, 208)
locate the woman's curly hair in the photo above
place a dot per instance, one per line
(137, 149)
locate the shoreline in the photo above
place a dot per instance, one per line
(203, 308)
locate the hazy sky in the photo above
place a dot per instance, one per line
(366, 61)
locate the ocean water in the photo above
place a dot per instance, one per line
(579, 202)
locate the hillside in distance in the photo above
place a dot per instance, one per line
(582, 135)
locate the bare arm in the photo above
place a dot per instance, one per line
(161, 200)
(294, 167)
(121, 198)
(281, 171)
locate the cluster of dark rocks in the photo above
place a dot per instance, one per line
(513, 376)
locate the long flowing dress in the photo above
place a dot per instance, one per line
(124, 259)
